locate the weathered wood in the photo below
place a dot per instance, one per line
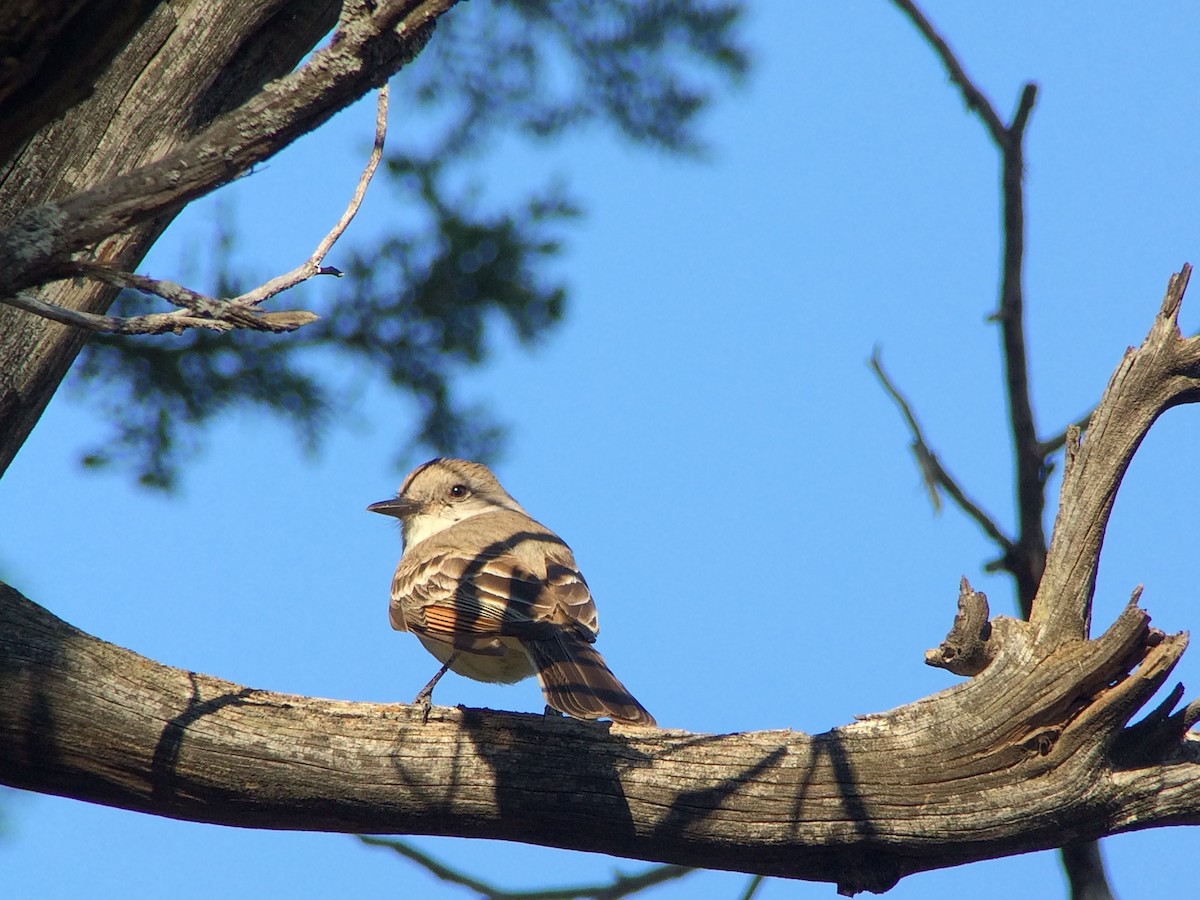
(188, 115)
(1013, 760)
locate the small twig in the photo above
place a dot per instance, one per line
(620, 886)
(173, 293)
(199, 310)
(753, 886)
(972, 96)
(312, 266)
(933, 473)
(1056, 443)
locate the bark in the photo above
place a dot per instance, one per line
(180, 111)
(1033, 751)
(1028, 755)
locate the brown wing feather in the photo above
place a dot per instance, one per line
(448, 596)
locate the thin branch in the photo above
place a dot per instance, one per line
(160, 323)
(156, 323)
(1030, 558)
(1027, 557)
(933, 473)
(620, 886)
(972, 95)
(312, 266)
(753, 886)
(199, 310)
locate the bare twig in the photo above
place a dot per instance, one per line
(199, 310)
(1056, 443)
(753, 886)
(312, 266)
(156, 323)
(973, 96)
(934, 474)
(619, 886)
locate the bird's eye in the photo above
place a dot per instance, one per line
(458, 491)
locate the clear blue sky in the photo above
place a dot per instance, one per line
(706, 401)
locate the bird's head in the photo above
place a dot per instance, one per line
(441, 492)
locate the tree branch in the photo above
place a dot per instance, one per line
(364, 51)
(199, 310)
(1018, 758)
(1025, 559)
(1163, 372)
(1030, 557)
(932, 472)
(620, 886)
(975, 99)
(212, 59)
(1027, 556)
(222, 317)
(312, 266)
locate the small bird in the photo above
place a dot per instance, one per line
(495, 595)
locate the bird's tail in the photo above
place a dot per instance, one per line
(575, 680)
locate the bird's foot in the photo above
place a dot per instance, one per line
(424, 698)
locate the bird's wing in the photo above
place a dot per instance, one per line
(469, 600)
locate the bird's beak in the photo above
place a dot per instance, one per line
(399, 507)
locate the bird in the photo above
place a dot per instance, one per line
(495, 595)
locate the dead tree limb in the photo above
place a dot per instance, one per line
(1034, 751)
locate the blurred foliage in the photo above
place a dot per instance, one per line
(426, 301)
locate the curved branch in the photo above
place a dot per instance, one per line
(1163, 372)
(1012, 760)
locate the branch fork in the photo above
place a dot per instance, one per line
(1101, 683)
(198, 310)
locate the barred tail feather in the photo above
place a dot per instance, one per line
(575, 680)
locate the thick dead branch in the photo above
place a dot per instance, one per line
(1163, 372)
(1015, 759)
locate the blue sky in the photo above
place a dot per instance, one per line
(703, 429)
